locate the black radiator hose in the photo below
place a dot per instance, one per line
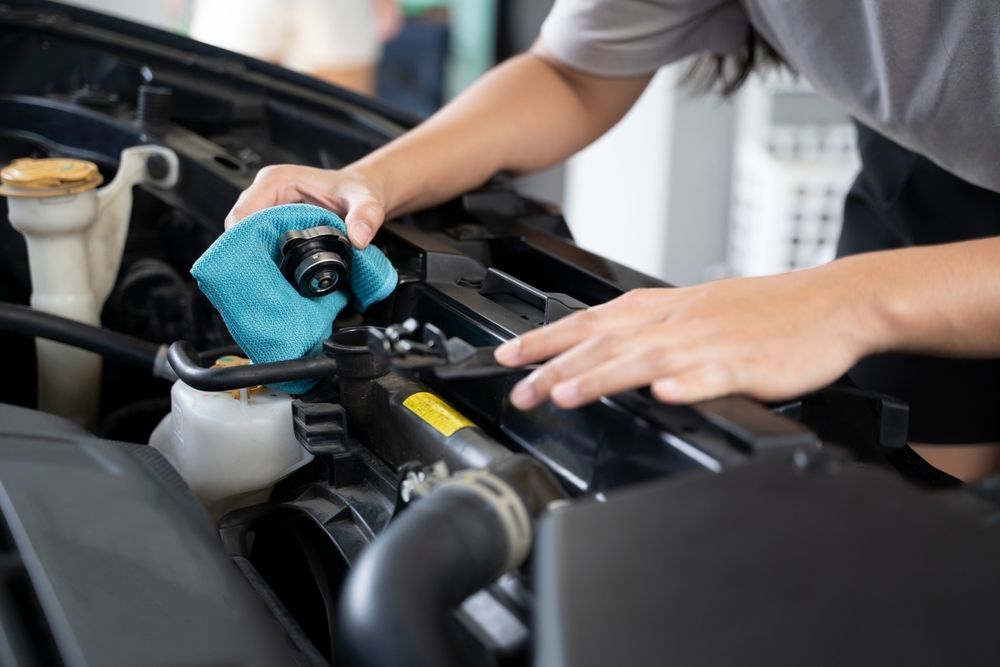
(109, 344)
(186, 362)
(396, 605)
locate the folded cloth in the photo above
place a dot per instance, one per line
(266, 316)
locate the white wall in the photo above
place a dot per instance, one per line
(616, 192)
(698, 210)
(653, 193)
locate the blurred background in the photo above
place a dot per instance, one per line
(746, 186)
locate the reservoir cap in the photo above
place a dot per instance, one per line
(48, 177)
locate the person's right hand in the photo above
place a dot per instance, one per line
(353, 195)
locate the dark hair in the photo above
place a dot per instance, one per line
(713, 72)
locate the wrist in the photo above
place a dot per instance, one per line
(881, 311)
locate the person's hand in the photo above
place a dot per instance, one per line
(353, 195)
(769, 338)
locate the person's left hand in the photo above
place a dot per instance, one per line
(770, 338)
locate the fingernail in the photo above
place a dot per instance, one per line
(523, 396)
(567, 394)
(509, 352)
(362, 234)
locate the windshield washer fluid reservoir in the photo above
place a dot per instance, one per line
(75, 233)
(230, 447)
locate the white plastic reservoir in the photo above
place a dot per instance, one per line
(75, 234)
(230, 447)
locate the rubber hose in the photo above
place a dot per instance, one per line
(396, 604)
(183, 359)
(395, 607)
(109, 344)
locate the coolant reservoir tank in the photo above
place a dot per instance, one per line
(230, 447)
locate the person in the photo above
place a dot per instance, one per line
(924, 75)
(339, 41)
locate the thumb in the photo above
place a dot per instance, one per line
(363, 219)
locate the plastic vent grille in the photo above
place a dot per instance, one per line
(25, 635)
(794, 162)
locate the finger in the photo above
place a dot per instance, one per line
(251, 200)
(631, 371)
(364, 217)
(535, 389)
(271, 186)
(699, 383)
(627, 311)
(613, 361)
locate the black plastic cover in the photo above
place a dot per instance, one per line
(770, 564)
(108, 560)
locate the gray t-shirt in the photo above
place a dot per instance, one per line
(925, 73)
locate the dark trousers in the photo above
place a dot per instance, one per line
(411, 74)
(901, 199)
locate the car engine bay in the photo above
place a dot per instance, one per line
(416, 517)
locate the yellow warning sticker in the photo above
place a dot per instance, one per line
(433, 410)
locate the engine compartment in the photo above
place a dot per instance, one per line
(479, 269)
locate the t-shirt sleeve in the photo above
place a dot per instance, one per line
(622, 38)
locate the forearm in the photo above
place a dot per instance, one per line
(939, 300)
(525, 115)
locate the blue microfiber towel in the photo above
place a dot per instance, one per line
(266, 316)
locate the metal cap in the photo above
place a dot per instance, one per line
(48, 177)
(231, 360)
